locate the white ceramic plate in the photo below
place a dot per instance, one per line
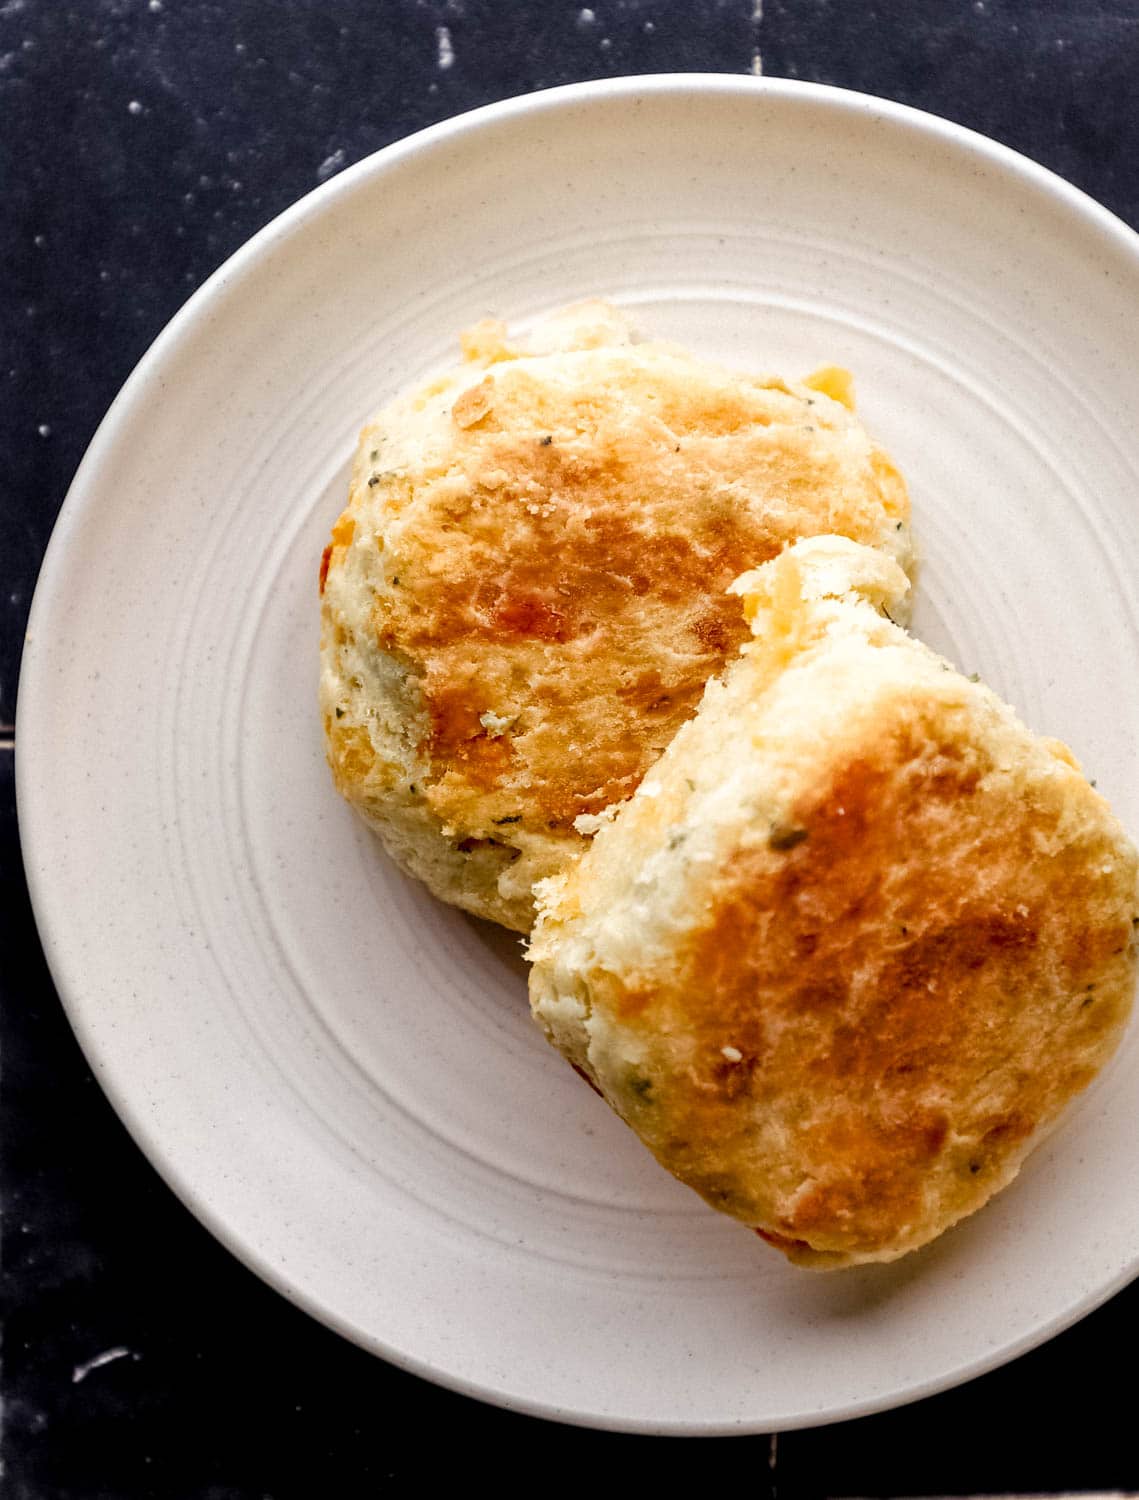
(338, 1074)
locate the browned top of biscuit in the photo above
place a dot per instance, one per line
(917, 973)
(561, 565)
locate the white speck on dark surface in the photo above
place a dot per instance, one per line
(331, 164)
(445, 54)
(154, 5)
(756, 64)
(134, 107)
(44, 429)
(81, 1372)
(586, 17)
(650, 27)
(605, 44)
(756, 11)
(12, 8)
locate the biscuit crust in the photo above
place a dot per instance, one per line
(525, 596)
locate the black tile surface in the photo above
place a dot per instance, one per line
(141, 141)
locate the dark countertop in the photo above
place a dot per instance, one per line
(141, 142)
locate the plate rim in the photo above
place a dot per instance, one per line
(33, 802)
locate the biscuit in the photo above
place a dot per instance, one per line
(525, 596)
(857, 939)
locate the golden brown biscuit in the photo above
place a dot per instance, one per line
(526, 594)
(856, 940)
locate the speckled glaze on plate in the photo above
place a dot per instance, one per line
(336, 1073)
